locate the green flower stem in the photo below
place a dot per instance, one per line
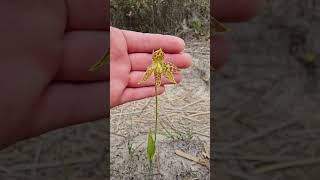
(155, 129)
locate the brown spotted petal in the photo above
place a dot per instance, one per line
(168, 69)
(157, 78)
(171, 67)
(146, 75)
(169, 76)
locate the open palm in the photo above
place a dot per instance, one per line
(130, 55)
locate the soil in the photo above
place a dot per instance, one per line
(266, 104)
(76, 152)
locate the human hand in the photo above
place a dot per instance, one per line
(229, 11)
(130, 55)
(46, 49)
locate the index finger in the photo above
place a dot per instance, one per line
(138, 42)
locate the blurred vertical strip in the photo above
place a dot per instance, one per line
(107, 66)
(211, 174)
(216, 60)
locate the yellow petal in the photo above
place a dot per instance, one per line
(157, 78)
(146, 75)
(171, 67)
(169, 76)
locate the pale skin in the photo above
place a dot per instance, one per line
(130, 55)
(46, 49)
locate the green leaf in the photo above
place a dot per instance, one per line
(151, 148)
(100, 63)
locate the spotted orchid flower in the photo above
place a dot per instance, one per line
(160, 67)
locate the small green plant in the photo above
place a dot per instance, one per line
(175, 134)
(158, 67)
(131, 149)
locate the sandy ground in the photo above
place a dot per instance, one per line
(184, 125)
(266, 104)
(76, 152)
